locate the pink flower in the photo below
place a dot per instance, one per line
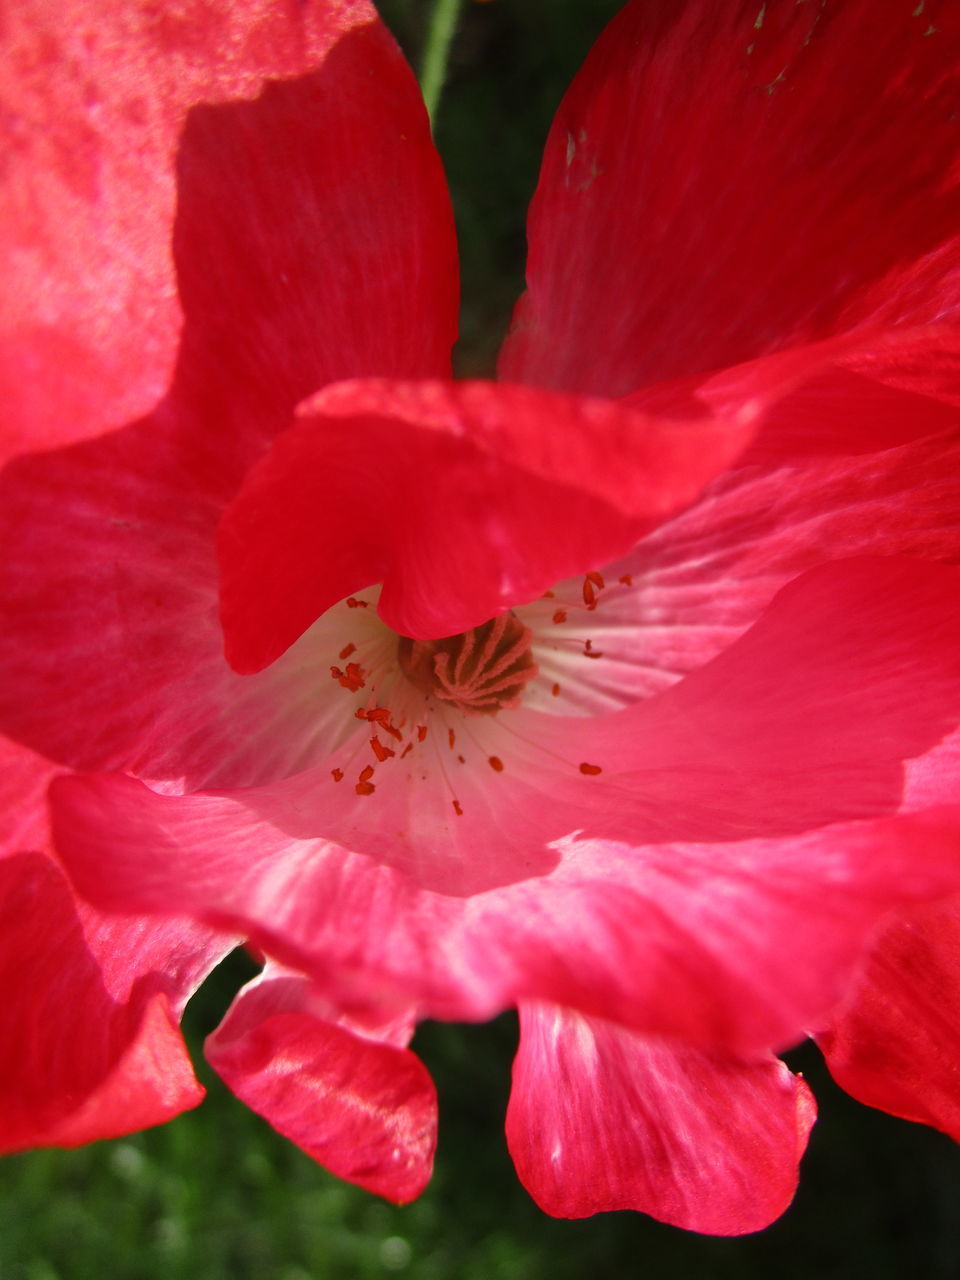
(688, 747)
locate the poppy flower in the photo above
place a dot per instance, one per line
(595, 691)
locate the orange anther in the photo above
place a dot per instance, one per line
(589, 594)
(379, 750)
(336, 775)
(346, 651)
(351, 679)
(555, 691)
(626, 579)
(560, 616)
(596, 579)
(365, 788)
(421, 732)
(389, 728)
(451, 739)
(590, 768)
(406, 750)
(496, 764)
(366, 773)
(456, 809)
(354, 603)
(549, 595)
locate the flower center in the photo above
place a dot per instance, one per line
(480, 672)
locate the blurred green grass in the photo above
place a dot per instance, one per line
(217, 1195)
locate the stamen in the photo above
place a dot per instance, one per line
(480, 671)
(364, 786)
(559, 616)
(346, 651)
(496, 764)
(590, 769)
(354, 603)
(352, 678)
(337, 775)
(379, 750)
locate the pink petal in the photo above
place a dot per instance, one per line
(686, 222)
(601, 1119)
(363, 1108)
(128, 127)
(895, 1041)
(590, 890)
(702, 577)
(463, 499)
(674, 939)
(122, 635)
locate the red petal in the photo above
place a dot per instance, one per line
(860, 393)
(895, 1041)
(686, 222)
(89, 1042)
(364, 1109)
(464, 499)
(270, 243)
(313, 240)
(601, 1119)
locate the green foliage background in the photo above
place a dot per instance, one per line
(218, 1196)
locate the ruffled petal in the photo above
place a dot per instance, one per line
(895, 1041)
(356, 1100)
(134, 133)
(684, 222)
(859, 393)
(90, 1046)
(463, 499)
(602, 1119)
(89, 1042)
(673, 939)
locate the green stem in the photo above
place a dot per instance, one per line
(436, 50)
